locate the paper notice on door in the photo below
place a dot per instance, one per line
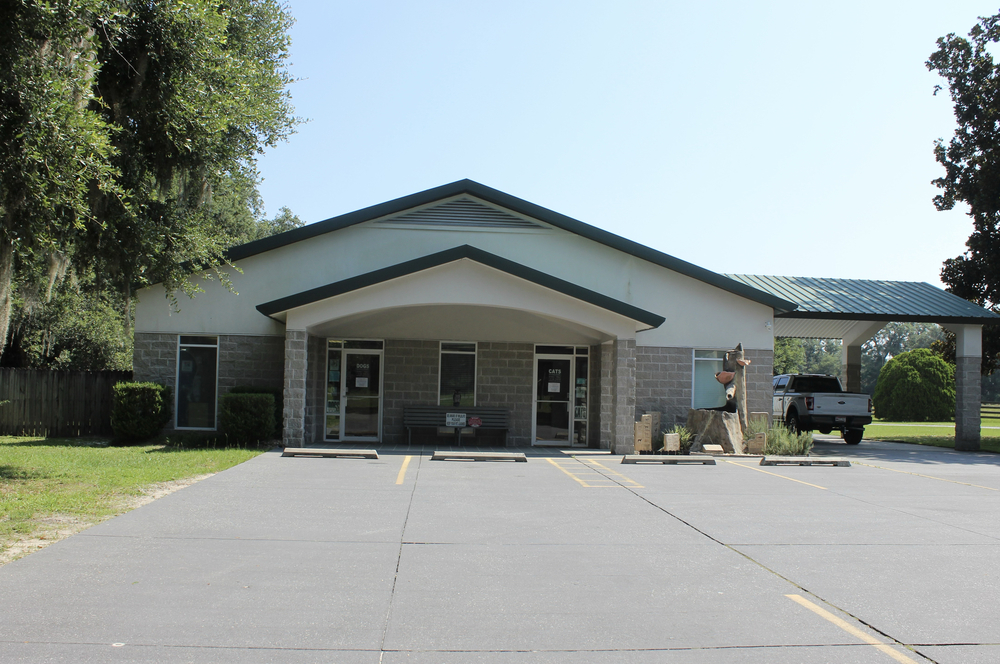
(553, 387)
(361, 382)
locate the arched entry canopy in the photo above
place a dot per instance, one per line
(463, 292)
(854, 310)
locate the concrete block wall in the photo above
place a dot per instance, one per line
(663, 379)
(244, 361)
(315, 414)
(663, 382)
(296, 349)
(968, 401)
(410, 376)
(594, 394)
(154, 358)
(760, 380)
(505, 379)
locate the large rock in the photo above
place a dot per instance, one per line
(715, 427)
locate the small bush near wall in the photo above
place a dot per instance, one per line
(139, 410)
(782, 441)
(246, 418)
(279, 404)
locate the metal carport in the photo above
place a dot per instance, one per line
(853, 310)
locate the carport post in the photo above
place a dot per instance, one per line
(968, 385)
(296, 351)
(623, 396)
(850, 350)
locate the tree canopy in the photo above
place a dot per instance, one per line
(971, 160)
(129, 132)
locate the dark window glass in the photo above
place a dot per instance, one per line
(200, 341)
(196, 387)
(366, 345)
(554, 350)
(458, 379)
(816, 384)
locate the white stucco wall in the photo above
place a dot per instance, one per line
(697, 314)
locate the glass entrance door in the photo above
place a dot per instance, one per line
(561, 399)
(362, 384)
(354, 390)
(552, 400)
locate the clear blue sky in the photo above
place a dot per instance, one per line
(790, 138)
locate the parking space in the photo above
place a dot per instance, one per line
(569, 557)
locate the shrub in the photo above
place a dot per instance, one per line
(782, 441)
(685, 435)
(915, 386)
(279, 404)
(139, 410)
(246, 418)
(755, 426)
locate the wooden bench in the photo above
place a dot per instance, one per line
(435, 417)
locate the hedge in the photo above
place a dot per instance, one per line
(140, 410)
(246, 418)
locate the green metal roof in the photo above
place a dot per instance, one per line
(275, 307)
(863, 299)
(520, 206)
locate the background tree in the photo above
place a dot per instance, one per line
(915, 386)
(55, 149)
(129, 133)
(971, 160)
(789, 357)
(890, 341)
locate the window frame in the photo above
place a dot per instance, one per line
(177, 380)
(475, 368)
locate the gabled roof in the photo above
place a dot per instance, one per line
(448, 256)
(862, 299)
(519, 206)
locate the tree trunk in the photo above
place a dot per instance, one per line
(6, 281)
(736, 362)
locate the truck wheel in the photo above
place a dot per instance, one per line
(853, 436)
(792, 421)
(825, 430)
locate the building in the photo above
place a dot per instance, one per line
(464, 295)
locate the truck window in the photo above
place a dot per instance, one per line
(779, 383)
(817, 384)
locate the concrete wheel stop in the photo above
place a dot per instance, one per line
(441, 455)
(328, 452)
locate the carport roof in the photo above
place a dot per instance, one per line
(863, 299)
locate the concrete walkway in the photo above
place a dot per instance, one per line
(562, 559)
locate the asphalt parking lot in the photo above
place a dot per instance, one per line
(561, 559)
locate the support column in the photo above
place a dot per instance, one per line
(296, 354)
(968, 385)
(850, 359)
(623, 396)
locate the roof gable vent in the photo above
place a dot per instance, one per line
(460, 213)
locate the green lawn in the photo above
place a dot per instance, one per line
(48, 483)
(938, 434)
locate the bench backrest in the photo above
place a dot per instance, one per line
(434, 416)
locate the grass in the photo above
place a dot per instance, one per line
(49, 481)
(937, 434)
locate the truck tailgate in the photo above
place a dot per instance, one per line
(840, 404)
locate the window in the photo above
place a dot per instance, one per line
(706, 391)
(197, 371)
(457, 376)
(779, 383)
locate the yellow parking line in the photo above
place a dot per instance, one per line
(851, 629)
(632, 482)
(940, 479)
(566, 471)
(402, 471)
(776, 475)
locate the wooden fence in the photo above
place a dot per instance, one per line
(56, 403)
(989, 410)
